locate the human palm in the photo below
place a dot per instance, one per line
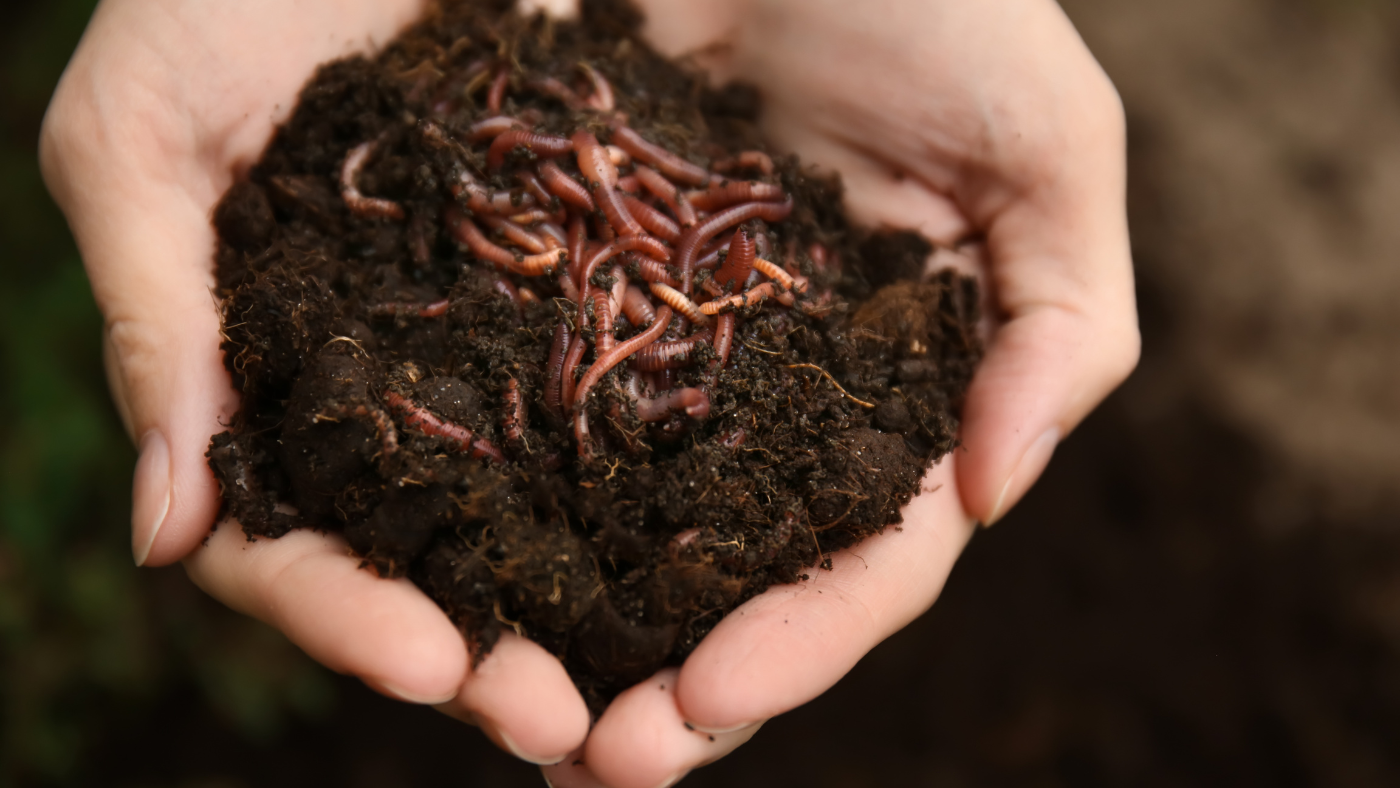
(983, 121)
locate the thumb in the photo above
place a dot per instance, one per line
(148, 247)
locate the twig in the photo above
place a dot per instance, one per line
(838, 386)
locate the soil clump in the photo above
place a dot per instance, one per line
(428, 288)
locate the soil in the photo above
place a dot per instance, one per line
(401, 381)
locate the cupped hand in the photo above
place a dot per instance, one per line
(983, 121)
(162, 105)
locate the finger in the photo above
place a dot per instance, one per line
(793, 642)
(643, 741)
(524, 700)
(311, 587)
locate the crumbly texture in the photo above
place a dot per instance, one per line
(621, 558)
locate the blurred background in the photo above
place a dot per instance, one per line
(1203, 590)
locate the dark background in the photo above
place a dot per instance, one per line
(1203, 590)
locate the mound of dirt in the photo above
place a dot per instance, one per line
(527, 314)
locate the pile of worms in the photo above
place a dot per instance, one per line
(656, 258)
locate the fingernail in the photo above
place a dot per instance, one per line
(411, 697)
(150, 494)
(1027, 470)
(730, 729)
(515, 750)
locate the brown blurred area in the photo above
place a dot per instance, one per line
(1203, 590)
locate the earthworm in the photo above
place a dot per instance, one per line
(553, 87)
(649, 270)
(482, 201)
(388, 435)
(605, 363)
(492, 127)
(618, 156)
(665, 191)
(724, 337)
(671, 354)
(434, 309)
(692, 239)
(466, 231)
(577, 240)
(565, 188)
(737, 263)
(680, 302)
(602, 322)
(754, 295)
(695, 402)
(746, 160)
(652, 220)
(417, 417)
(505, 288)
(541, 145)
(513, 420)
(619, 290)
(601, 173)
(681, 541)
(536, 216)
(516, 234)
(527, 296)
(602, 98)
(670, 165)
(734, 439)
(727, 193)
(533, 186)
(777, 274)
(567, 385)
(554, 369)
(360, 205)
(628, 183)
(550, 231)
(566, 284)
(637, 307)
(497, 93)
(646, 244)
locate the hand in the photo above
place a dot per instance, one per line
(987, 119)
(163, 103)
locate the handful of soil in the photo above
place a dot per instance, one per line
(526, 312)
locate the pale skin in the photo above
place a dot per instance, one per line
(950, 117)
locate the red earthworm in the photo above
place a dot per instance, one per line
(542, 145)
(482, 201)
(693, 238)
(746, 160)
(605, 363)
(629, 184)
(565, 188)
(566, 284)
(664, 354)
(618, 156)
(681, 541)
(653, 220)
(708, 257)
(737, 263)
(417, 417)
(667, 192)
(602, 228)
(670, 165)
(360, 205)
(649, 270)
(724, 337)
(567, 385)
(754, 295)
(554, 369)
(603, 322)
(695, 402)
(532, 216)
(491, 127)
(388, 434)
(553, 87)
(535, 188)
(783, 278)
(527, 296)
(434, 309)
(513, 420)
(734, 439)
(601, 174)
(466, 231)
(818, 254)
(516, 234)
(553, 234)
(680, 302)
(602, 98)
(727, 193)
(505, 288)
(619, 290)
(577, 243)
(646, 244)
(497, 93)
(637, 307)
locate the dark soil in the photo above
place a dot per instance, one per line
(620, 553)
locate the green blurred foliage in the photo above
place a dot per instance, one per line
(87, 641)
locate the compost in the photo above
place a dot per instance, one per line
(531, 316)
